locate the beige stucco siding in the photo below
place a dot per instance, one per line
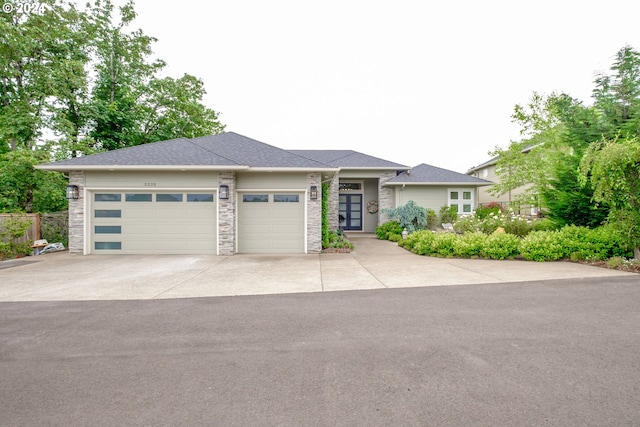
(433, 197)
(151, 179)
(370, 221)
(271, 180)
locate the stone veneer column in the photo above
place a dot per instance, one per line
(314, 215)
(76, 215)
(386, 196)
(334, 198)
(227, 215)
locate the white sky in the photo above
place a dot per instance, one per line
(409, 81)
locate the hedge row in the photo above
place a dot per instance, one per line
(570, 242)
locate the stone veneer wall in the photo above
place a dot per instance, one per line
(314, 215)
(227, 215)
(334, 198)
(386, 196)
(76, 215)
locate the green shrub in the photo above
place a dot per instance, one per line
(337, 239)
(448, 214)
(383, 231)
(517, 225)
(501, 246)
(444, 244)
(419, 242)
(432, 219)
(542, 246)
(543, 224)
(393, 237)
(11, 229)
(468, 224)
(469, 244)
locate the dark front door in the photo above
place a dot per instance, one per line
(350, 211)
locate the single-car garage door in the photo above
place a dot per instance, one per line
(137, 222)
(271, 222)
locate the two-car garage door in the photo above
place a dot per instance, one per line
(138, 222)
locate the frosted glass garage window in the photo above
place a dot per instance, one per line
(136, 197)
(200, 198)
(286, 198)
(108, 246)
(108, 213)
(108, 229)
(255, 198)
(168, 197)
(108, 197)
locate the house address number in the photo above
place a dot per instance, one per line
(149, 184)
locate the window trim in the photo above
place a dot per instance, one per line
(461, 201)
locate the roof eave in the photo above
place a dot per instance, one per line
(467, 184)
(375, 168)
(293, 169)
(70, 168)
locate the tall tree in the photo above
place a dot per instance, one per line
(173, 107)
(613, 168)
(124, 72)
(32, 46)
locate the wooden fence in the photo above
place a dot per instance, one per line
(33, 233)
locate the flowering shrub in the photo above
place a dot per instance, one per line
(513, 224)
(492, 208)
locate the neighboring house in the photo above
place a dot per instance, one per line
(225, 194)
(487, 171)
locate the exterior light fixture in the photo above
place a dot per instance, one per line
(224, 192)
(314, 192)
(73, 192)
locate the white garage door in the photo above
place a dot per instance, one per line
(137, 222)
(271, 222)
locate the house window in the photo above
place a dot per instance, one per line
(286, 198)
(350, 186)
(108, 229)
(255, 198)
(169, 197)
(485, 173)
(138, 197)
(107, 197)
(200, 198)
(108, 213)
(462, 199)
(108, 246)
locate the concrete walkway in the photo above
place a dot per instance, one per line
(373, 264)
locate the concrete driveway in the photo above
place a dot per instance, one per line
(373, 264)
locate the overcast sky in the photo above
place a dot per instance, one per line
(408, 81)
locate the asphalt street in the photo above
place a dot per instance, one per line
(553, 353)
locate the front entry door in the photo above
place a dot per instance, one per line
(350, 211)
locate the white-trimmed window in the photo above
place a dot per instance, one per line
(462, 199)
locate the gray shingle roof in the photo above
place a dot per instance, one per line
(430, 175)
(348, 159)
(226, 149)
(179, 151)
